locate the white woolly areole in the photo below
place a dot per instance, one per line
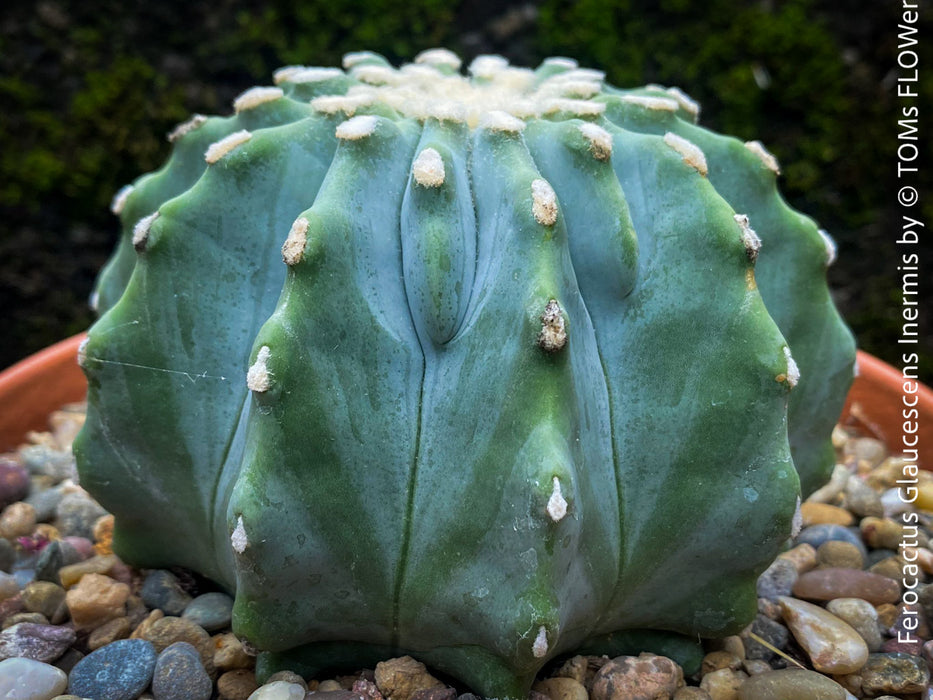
(428, 168)
(793, 371)
(543, 202)
(687, 103)
(830, 244)
(579, 108)
(600, 140)
(539, 647)
(749, 237)
(82, 353)
(661, 104)
(348, 104)
(768, 160)
(556, 504)
(186, 127)
(141, 230)
(313, 75)
(258, 377)
(293, 250)
(255, 97)
(284, 74)
(375, 75)
(501, 121)
(691, 153)
(571, 89)
(553, 335)
(486, 66)
(356, 57)
(357, 128)
(219, 149)
(439, 57)
(797, 523)
(238, 537)
(560, 62)
(119, 199)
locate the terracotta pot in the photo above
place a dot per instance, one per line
(36, 386)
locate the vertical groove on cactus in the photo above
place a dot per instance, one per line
(468, 368)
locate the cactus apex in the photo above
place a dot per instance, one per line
(238, 538)
(691, 153)
(544, 203)
(293, 250)
(348, 104)
(830, 247)
(219, 149)
(439, 57)
(119, 199)
(767, 159)
(660, 104)
(256, 96)
(556, 504)
(356, 128)
(375, 75)
(600, 140)
(195, 122)
(540, 646)
(141, 231)
(553, 335)
(749, 237)
(428, 168)
(792, 376)
(258, 377)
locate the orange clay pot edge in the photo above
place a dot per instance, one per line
(34, 387)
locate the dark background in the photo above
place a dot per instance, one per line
(89, 89)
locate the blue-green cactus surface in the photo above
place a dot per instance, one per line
(534, 375)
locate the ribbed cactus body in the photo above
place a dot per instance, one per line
(513, 392)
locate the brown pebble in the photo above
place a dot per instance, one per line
(237, 684)
(881, 533)
(561, 689)
(103, 534)
(717, 660)
(803, 557)
(447, 694)
(46, 598)
(644, 677)
(96, 599)
(71, 574)
(723, 684)
(887, 614)
(828, 584)
(17, 520)
(229, 653)
(398, 678)
(825, 514)
(836, 554)
(890, 567)
(690, 692)
(168, 630)
(30, 617)
(108, 632)
(791, 684)
(755, 666)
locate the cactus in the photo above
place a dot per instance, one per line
(526, 382)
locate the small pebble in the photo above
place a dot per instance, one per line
(37, 642)
(861, 616)
(53, 557)
(825, 514)
(237, 684)
(17, 520)
(8, 586)
(45, 501)
(165, 631)
(791, 684)
(839, 555)
(161, 590)
(803, 557)
(401, 677)
(644, 677)
(723, 684)
(881, 533)
(894, 673)
(771, 631)
(14, 481)
(778, 579)
(7, 555)
(71, 574)
(76, 514)
(229, 653)
(561, 689)
(861, 499)
(96, 599)
(279, 690)
(46, 598)
(109, 632)
(827, 584)
(816, 535)
(44, 460)
(118, 671)
(832, 645)
(25, 679)
(179, 675)
(212, 611)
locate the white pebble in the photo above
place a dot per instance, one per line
(25, 679)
